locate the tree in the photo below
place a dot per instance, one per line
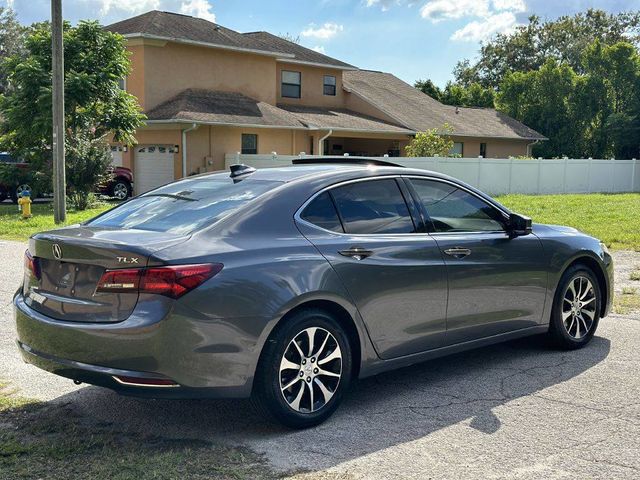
(95, 62)
(12, 37)
(431, 143)
(429, 88)
(87, 159)
(290, 37)
(530, 46)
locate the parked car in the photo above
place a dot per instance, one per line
(119, 185)
(286, 283)
(13, 188)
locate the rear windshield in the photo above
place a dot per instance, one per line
(184, 207)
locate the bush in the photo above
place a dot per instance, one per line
(87, 163)
(432, 143)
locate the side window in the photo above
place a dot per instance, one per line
(322, 212)
(373, 207)
(452, 209)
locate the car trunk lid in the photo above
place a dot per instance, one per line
(70, 262)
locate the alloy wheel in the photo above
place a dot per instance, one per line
(310, 370)
(579, 307)
(120, 191)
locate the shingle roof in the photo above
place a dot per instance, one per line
(341, 119)
(175, 26)
(207, 106)
(303, 54)
(184, 27)
(419, 112)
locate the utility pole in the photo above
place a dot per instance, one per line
(57, 65)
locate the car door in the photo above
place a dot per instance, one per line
(395, 275)
(497, 283)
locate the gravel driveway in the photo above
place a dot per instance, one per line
(518, 410)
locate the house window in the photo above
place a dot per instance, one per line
(291, 84)
(329, 87)
(249, 144)
(483, 150)
(457, 149)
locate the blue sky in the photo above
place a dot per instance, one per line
(413, 39)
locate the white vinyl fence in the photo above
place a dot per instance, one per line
(498, 176)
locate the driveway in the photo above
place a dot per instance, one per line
(518, 410)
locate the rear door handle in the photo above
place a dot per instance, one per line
(458, 252)
(357, 253)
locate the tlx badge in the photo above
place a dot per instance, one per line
(128, 260)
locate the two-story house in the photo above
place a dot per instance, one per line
(209, 91)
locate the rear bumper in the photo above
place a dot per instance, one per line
(205, 358)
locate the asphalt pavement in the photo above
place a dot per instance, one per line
(519, 410)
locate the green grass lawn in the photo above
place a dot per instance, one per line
(613, 218)
(13, 227)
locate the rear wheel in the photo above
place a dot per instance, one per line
(576, 308)
(16, 192)
(121, 190)
(304, 370)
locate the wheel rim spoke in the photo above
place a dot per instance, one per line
(317, 384)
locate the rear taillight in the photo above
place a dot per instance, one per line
(31, 264)
(171, 281)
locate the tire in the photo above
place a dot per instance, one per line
(15, 192)
(569, 320)
(312, 375)
(120, 190)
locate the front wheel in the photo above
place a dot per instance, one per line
(304, 370)
(121, 190)
(576, 308)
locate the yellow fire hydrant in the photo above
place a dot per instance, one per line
(25, 204)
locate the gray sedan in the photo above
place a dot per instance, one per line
(284, 284)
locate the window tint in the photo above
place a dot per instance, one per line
(291, 84)
(329, 87)
(322, 212)
(185, 206)
(373, 207)
(454, 210)
(249, 144)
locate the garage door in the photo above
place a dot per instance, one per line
(153, 167)
(116, 155)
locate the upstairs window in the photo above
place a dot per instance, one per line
(291, 84)
(329, 87)
(249, 144)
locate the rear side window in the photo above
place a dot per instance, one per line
(452, 209)
(322, 212)
(373, 207)
(185, 206)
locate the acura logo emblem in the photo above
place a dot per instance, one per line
(57, 251)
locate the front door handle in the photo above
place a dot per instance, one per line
(357, 253)
(458, 252)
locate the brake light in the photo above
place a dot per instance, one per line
(31, 264)
(171, 281)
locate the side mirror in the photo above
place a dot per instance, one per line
(519, 225)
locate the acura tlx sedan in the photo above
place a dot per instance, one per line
(284, 284)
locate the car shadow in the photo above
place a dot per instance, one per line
(379, 412)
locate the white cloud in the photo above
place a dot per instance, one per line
(133, 7)
(323, 32)
(384, 4)
(198, 8)
(438, 10)
(510, 5)
(481, 30)
(319, 49)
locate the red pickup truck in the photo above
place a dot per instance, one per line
(119, 185)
